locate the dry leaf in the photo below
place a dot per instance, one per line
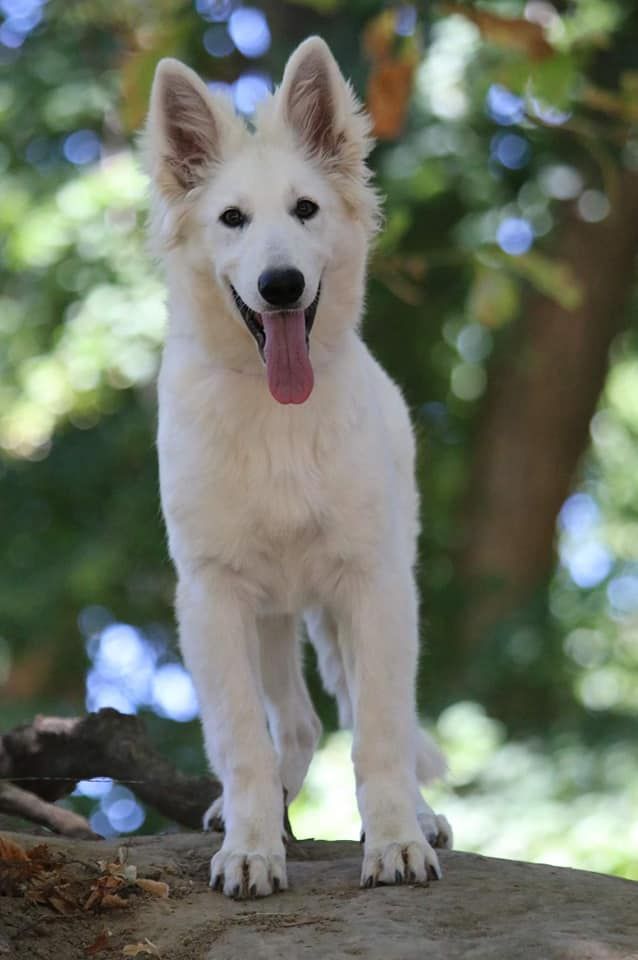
(134, 949)
(512, 33)
(394, 61)
(388, 95)
(112, 901)
(157, 887)
(16, 867)
(101, 943)
(380, 35)
(104, 887)
(41, 854)
(10, 850)
(60, 904)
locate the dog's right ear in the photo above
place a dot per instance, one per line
(183, 129)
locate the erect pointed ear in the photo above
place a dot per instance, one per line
(314, 97)
(183, 131)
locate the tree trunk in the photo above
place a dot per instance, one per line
(535, 427)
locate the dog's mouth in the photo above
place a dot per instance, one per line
(283, 341)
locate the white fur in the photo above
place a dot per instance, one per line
(274, 511)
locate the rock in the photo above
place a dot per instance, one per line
(483, 909)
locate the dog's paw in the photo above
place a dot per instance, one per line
(412, 862)
(213, 819)
(243, 875)
(436, 830)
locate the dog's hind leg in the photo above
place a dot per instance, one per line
(294, 726)
(431, 765)
(322, 631)
(430, 762)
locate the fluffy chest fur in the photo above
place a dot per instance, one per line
(274, 492)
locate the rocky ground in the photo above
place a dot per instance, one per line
(76, 899)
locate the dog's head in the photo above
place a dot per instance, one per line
(278, 218)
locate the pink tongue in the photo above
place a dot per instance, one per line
(290, 376)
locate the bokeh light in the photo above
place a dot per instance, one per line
(550, 115)
(217, 41)
(123, 811)
(249, 30)
(474, 343)
(593, 206)
(468, 381)
(503, 106)
(117, 811)
(579, 514)
(82, 147)
(130, 670)
(586, 557)
(510, 150)
(21, 17)
(560, 181)
(173, 693)
(94, 788)
(588, 563)
(622, 593)
(405, 20)
(515, 235)
(249, 90)
(441, 77)
(215, 10)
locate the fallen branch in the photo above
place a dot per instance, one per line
(43, 761)
(22, 803)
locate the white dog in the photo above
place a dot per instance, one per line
(286, 464)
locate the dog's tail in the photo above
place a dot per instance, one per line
(430, 762)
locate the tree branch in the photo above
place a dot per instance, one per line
(22, 803)
(103, 744)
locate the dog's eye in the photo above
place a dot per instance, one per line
(233, 217)
(305, 209)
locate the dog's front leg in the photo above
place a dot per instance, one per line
(379, 620)
(219, 640)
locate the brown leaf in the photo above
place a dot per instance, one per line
(156, 887)
(509, 32)
(379, 35)
(112, 901)
(16, 869)
(388, 95)
(103, 887)
(101, 943)
(41, 853)
(10, 850)
(61, 904)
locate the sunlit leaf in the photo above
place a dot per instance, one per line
(512, 33)
(549, 276)
(494, 297)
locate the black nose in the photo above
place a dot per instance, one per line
(281, 287)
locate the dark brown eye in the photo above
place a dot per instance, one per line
(233, 217)
(305, 209)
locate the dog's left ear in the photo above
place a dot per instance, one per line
(317, 102)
